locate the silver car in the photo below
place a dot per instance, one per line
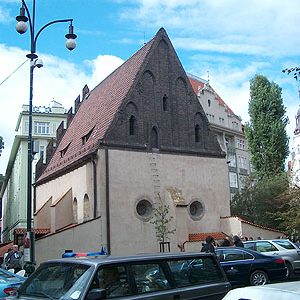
(283, 247)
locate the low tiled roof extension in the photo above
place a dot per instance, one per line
(196, 237)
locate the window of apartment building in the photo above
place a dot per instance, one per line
(242, 162)
(41, 128)
(241, 144)
(221, 120)
(231, 160)
(235, 125)
(242, 181)
(233, 180)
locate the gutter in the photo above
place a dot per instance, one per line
(108, 240)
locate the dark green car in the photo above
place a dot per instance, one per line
(149, 276)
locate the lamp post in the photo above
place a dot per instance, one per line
(21, 28)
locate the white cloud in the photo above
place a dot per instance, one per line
(269, 25)
(58, 80)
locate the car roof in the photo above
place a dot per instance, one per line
(278, 291)
(104, 259)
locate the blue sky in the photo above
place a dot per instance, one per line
(233, 40)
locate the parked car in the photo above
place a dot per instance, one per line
(244, 266)
(147, 276)
(275, 291)
(283, 247)
(9, 282)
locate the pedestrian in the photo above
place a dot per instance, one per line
(14, 259)
(226, 242)
(237, 241)
(209, 247)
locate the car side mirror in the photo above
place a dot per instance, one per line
(96, 294)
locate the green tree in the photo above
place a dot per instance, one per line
(265, 132)
(161, 220)
(261, 201)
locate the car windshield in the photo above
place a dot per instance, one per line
(285, 244)
(57, 281)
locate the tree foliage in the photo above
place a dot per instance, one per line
(289, 217)
(261, 202)
(161, 221)
(265, 132)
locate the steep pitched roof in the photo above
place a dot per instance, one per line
(96, 113)
(198, 83)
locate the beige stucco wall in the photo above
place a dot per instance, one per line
(199, 178)
(235, 226)
(131, 180)
(80, 180)
(78, 239)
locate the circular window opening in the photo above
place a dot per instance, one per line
(144, 209)
(196, 210)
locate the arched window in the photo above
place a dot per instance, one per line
(75, 210)
(165, 102)
(154, 138)
(132, 125)
(208, 102)
(197, 133)
(86, 207)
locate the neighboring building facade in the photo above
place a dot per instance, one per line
(140, 139)
(229, 130)
(45, 121)
(294, 164)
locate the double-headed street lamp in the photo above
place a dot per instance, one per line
(21, 28)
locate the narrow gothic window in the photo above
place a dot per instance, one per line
(132, 125)
(208, 102)
(197, 133)
(165, 102)
(86, 208)
(75, 213)
(154, 138)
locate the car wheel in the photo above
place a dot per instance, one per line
(258, 277)
(289, 269)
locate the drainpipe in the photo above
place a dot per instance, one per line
(107, 202)
(95, 186)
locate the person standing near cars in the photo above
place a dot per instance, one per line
(237, 241)
(14, 258)
(209, 246)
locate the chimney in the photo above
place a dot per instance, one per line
(77, 103)
(70, 116)
(85, 92)
(60, 132)
(50, 150)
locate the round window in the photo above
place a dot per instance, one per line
(196, 210)
(144, 209)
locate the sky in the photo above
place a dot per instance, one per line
(227, 41)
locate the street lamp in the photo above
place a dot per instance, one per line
(21, 28)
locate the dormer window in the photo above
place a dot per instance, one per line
(64, 151)
(132, 125)
(86, 137)
(165, 102)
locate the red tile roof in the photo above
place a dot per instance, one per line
(5, 247)
(196, 237)
(97, 112)
(36, 230)
(198, 83)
